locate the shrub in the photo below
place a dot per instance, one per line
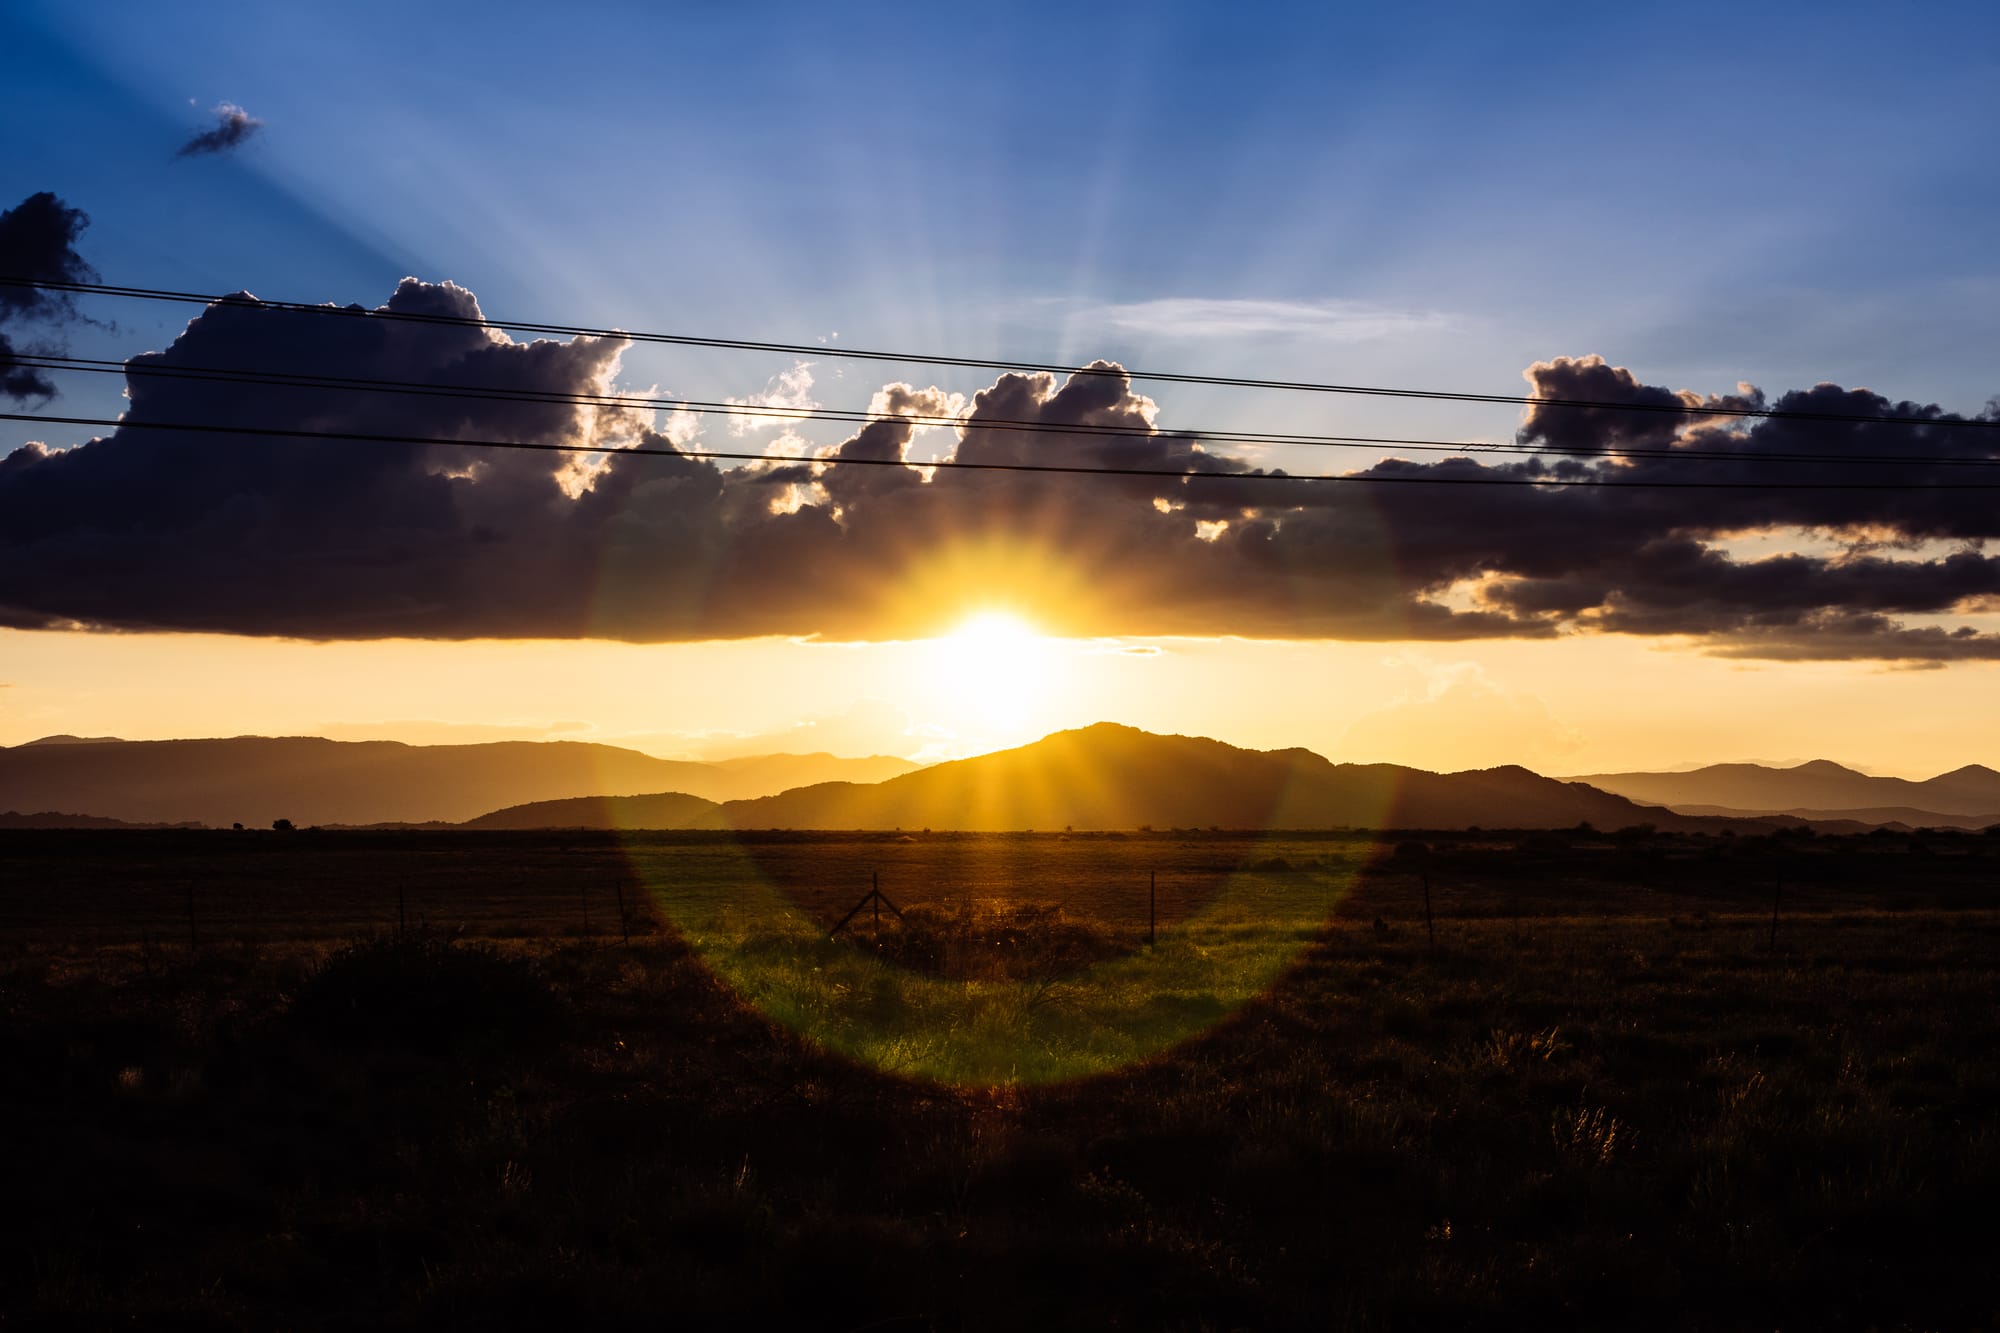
(428, 994)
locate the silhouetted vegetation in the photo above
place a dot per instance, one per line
(426, 993)
(1600, 1100)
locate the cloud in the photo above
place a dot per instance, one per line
(327, 539)
(866, 727)
(1660, 416)
(417, 731)
(233, 125)
(1460, 712)
(1209, 318)
(38, 241)
(786, 398)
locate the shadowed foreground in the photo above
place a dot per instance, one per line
(1635, 1117)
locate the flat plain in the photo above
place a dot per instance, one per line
(509, 1080)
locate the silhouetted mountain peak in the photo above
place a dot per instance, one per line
(65, 739)
(1825, 768)
(1979, 771)
(1509, 771)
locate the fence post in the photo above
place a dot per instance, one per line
(875, 897)
(624, 922)
(1430, 926)
(193, 942)
(402, 915)
(1152, 906)
(1777, 897)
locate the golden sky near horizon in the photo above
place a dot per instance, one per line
(1576, 704)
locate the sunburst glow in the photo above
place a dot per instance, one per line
(996, 670)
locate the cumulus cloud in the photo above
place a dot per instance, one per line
(1634, 415)
(232, 126)
(787, 398)
(37, 241)
(336, 538)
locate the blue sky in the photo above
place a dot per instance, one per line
(1422, 195)
(1431, 195)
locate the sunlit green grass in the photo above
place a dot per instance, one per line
(986, 1031)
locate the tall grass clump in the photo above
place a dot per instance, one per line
(428, 994)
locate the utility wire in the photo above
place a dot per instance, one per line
(978, 363)
(1389, 478)
(502, 393)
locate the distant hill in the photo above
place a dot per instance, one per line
(1115, 777)
(766, 774)
(666, 810)
(1819, 789)
(256, 779)
(10, 819)
(1891, 817)
(70, 740)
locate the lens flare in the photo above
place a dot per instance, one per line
(757, 910)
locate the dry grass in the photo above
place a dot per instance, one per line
(1613, 1107)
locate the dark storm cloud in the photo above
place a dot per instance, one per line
(1642, 416)
(37, 242)
(333, 538)
(232, 126)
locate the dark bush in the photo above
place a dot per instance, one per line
(427, 994)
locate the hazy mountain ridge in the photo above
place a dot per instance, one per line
(1817, 789)
(255, 779)
(1105, 776)
(1893, 818)
(52, 819)
(1115, 777)
(661, 810)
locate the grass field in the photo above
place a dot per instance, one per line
(1599, 1098)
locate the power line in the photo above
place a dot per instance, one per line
(961, 466)
(501, 393)
(976, 363)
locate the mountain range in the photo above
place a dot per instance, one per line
(1967, 797)
(1094, 778)
(1114, 777)
(253, 780)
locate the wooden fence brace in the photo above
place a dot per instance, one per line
(875, 898)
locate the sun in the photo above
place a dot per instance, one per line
(992, 674)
